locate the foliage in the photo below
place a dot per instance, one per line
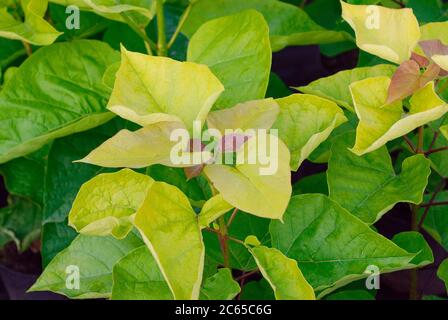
(113, 206)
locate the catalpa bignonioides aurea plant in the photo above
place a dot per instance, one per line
(188, 191)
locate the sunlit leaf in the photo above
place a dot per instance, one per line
(238, 52)
(262, 189)
(171, 231)
(435, 30)
(138, 11)
(151, 89)
(336, 87)
(304, 122)
(258, 114)
(441, 60)
(106, 204)
(390, 34)
(137, 277)
(283, 274)
(93, 258)
(35, 29)
(138, 149)
(213, 209)
(380, 122)
(289, 25)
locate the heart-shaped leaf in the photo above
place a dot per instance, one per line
(304, 122)
(106, 204)
(92, 259)
(289, 25)
(238, 52)
(262, 189)
(187, 91)
(368, 186)
(333, 247)
(171, 231)
(258, 114)
(380, 122)
(144, 147)
(390, 34)
(283, 274)
(35, 29)
(336, 87)
(33, 114)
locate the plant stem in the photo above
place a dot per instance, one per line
(28, 49)
(420, 139)
(431, 203)
(248, 274)
(223, 236)
(434, 140)
(180, 25)
(434, 204)
(232, 217)
(410, 143)
(436, 150)
(149, 44)
(161, 36)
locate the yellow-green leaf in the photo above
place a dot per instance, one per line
(390, 34)
(336, 87)
(283, 274)
(35, 29)
(441, 60)
(258, 114)
(213, 209)
(238, 52)
(380, 123)
(107, 203)
(92, 259)
(170, 229)
(139, 149)
(153, 89)
(260, 189)
(304, 122)
(444, 130)
(139, 12)
(289, 25)
(435, 31)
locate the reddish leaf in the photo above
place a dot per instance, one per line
(193, 172)
(408, 79)
(232, 142)
(433, 47)
(422, 61)
(404, 81)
